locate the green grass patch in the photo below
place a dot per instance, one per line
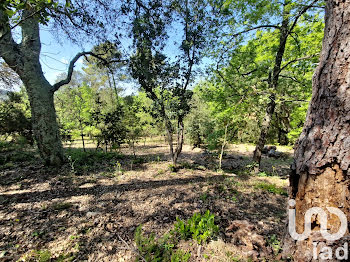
(271, 188)
(162, 249)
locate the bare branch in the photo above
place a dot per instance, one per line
(296, 60)
(255, 28)
(66, 81)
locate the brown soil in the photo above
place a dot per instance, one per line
(92, 214)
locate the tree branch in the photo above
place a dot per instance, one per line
(296, 60)
(9, 49)
(66, 81)
(255, 28)
(303, 11)
(293, 79)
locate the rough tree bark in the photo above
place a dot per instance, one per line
(24, 60)
(321, 167)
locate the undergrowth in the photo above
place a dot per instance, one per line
(200, 227)
(271, 188)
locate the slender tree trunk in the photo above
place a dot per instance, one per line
(133, 149)
(175, 153)
(83, 141)
(265, 126)
(320, 174)
(180, 140)
(169, 136)
(223, 147)
(273, 84)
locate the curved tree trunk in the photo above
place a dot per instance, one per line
(320, 174)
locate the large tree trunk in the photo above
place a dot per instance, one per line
(24, 60)
(320, 174)
(45, 127)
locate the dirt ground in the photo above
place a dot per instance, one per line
(89, 210)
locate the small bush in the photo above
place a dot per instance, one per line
(275, 244)
(172, 168)
(199, 227)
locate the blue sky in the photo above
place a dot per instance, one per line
(55, 57)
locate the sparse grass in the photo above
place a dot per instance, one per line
(271, 188)
(42, 255)
(162, 249)
(204, 196)
(160, 172)
(90, 158)
(275, 244)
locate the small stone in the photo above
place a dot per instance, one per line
(91, 214)
(110, 226)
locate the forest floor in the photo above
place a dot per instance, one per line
(89, 209)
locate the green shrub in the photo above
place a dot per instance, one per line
(199, 227)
